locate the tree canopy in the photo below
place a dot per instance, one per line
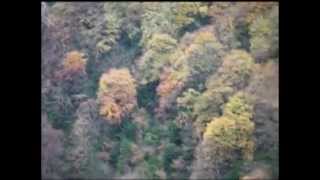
(169, 90)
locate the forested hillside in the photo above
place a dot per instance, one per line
(166, 90)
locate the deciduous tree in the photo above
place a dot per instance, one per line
(224, 136)
(158, 50)
(116, 95)
(189, 67)
(264, 32)
(233, 75)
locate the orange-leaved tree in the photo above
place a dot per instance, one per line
(72, 74)
(74, 62)
(116, 94)
(73, 65)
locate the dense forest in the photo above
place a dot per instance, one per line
(159, 90)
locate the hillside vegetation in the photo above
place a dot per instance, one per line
(160, 90)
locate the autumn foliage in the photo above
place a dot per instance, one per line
(234, 129)
(188, 64)
(74, 61)
(169, 90)
(225, 136)
(117, 94)
(73, 65)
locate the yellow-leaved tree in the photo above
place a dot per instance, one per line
(224, 137)
(232, 76)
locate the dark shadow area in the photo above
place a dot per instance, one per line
(147, 96)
